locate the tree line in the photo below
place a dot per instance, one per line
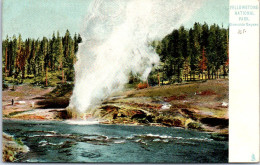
(35, 58)
(200, 52)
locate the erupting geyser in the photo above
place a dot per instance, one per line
(116, 40)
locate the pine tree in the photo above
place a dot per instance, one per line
(227, 52)
(212, 51)
(25, 56)
(53, 53)
(38, 58)
(5, 51)
(60, 55)
(31, 66)
(183, 46)
(75, 41)
(29, 49)
(13, 56)
(192, 53)
(203, 62)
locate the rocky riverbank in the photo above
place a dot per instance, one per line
(12, 148)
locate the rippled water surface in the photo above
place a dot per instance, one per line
(62, 142)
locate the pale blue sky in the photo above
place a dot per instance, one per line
(212, 11)
(38, 18)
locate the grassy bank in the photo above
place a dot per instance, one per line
(201, 106)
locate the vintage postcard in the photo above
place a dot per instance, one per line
(130, 81)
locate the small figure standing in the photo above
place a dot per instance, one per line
(33, 104)
(12, 101)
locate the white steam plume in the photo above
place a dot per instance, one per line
(115, 42)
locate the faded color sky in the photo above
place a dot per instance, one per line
(38, 18)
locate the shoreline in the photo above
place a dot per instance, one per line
(121, 124)
(11, 148)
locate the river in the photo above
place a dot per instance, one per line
(58, 141)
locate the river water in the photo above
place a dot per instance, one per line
(58, 141)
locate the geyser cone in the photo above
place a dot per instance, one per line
(116, 39)
(74, 114)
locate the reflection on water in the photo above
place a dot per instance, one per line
(62, 142)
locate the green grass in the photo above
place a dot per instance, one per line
(16, 112)
(19, 141)
(185, 89)
(195, 125)
(62, 90)
(54, 78)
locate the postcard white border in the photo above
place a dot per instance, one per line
(244, 84)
